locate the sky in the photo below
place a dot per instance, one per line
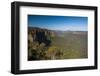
(62, 23)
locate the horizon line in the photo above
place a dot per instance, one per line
(57, 29)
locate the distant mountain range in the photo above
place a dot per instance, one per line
(31, 28)
(56, 32)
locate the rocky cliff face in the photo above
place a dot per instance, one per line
(40, 35)
(40, 44)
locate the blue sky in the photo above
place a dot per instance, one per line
(63, 23)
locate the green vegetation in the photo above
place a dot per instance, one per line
(46, 44)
